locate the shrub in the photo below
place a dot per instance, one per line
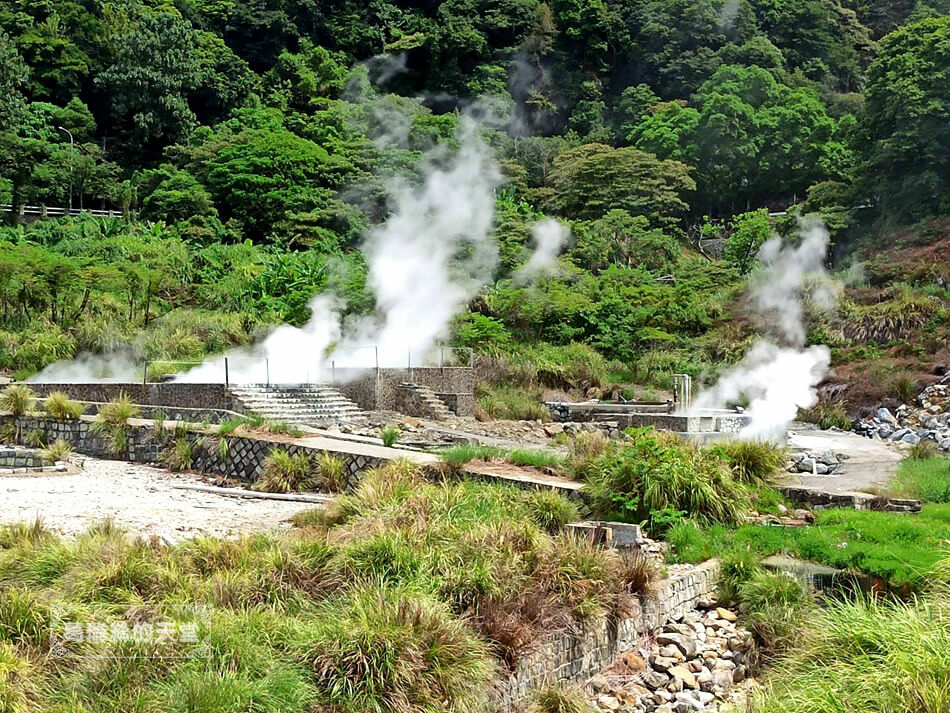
(656, 470)
(751, 461)
(511, 403)
(390, 434)
(17, 399)
(587, 446)
(58, 450)
(775, 607)
(734, 569)
(332, 472)
(557, 699)
(828, 415)
(59, 405)
(178, 455)
(922, 450)
(550, 510)
(118, 411)
(36, 438)
(285, 473)
(112, 422)
(638, 571)
(381, 649)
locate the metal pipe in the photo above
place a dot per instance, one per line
(267, 367)
(227, 379)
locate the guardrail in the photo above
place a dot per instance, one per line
(44, 211)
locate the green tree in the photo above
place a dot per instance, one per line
(622, 239)
(748, 231)
(592, 179)
(904, 128)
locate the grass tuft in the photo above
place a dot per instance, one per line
(751, 462)
(286, 473)
(557, 699)
(389, 435)
(59, 405)
(58, 450)
(926, 479)
(17, 399)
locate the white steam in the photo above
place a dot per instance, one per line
(779, 376)
(425, 262)
(549, 237)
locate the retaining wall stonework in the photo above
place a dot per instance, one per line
(569, 659)
(194, 396)
(242, 459)
(374, 390)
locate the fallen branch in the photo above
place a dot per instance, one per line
(244, 493)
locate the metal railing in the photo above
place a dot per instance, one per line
(353, 358)
(44, 211)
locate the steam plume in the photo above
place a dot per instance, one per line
(779, 376)
(426, 261)
(549, 237)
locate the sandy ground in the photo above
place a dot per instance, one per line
(870, 464)
(139, 499)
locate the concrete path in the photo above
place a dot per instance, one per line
(870, 464)
(141, 499)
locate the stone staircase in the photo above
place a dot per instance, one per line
(305, 404)
(421, 401)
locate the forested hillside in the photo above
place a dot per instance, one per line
(249, 146)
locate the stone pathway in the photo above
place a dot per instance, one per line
(866, 464)
(138, 498)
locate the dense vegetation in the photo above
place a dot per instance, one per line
(405, 596)
(249, 147)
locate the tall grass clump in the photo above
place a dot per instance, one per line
(867, 655)
(458, 456)
(775, 607)
(510, 403)
(655, 473)
(58, 450)
(557, 699)
(17, 399)
(332, 472)
(382, 649)
(179, 455)
(286, 473)
(751, 462)
(925, 479)
(389, 435)
(59, 405)
(112, 422)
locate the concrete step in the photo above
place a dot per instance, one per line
(302, 404)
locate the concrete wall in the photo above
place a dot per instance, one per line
(569, 659)
(243, 458)
(195, 396)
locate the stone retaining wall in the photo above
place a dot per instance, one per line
(571, 658)
(191, 396)
(243, 458)
(374, 390)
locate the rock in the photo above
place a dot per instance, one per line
(726, 614)
(684, 676)
(553, 429)
(634, 662)
(664, 708)
(691, 699)
(805, 465)
(821, 469)
(899, 434)
(662, 663)
(911, 438)
(723, 678)
(782, 509)
(696, 666)
(739, 674)
(886, 416)
(801, 514)
(671, 652)
(654, 679)
(608, 703)
(828, 458)
(600, 683)
(684, 643)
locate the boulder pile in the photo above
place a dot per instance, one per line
(813, 463)
(928, 417)
(693, 665)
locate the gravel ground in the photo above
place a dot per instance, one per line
(139, 499)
